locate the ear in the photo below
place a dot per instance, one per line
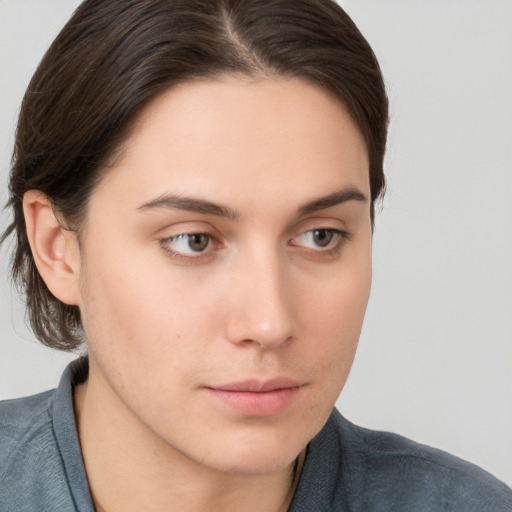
(55, 249)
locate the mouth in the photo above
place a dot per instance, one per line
(256, 398)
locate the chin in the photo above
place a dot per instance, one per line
(257, 456)
(256, 464)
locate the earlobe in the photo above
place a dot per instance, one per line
(54, 248)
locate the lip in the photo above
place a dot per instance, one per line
(256, 398)
(258, 386)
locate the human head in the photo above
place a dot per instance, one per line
(113, 58)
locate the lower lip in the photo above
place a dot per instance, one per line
(256, 404)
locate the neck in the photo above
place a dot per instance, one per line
(129, 468)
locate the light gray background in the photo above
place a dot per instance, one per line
(435, 359)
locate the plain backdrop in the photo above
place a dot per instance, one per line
(435, 357)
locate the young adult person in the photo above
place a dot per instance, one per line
(193, 194)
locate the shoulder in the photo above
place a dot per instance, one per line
(32, 476)
(418, 473)
(25, 425)
(357, 469)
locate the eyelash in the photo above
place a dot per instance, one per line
(339, 238)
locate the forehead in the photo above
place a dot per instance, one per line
(258, 138)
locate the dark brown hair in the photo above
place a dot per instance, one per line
(113, 57)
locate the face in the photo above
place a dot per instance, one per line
(226, 270)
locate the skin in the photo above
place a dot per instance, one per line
(165, 321)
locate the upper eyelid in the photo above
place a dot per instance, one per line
(190, 233)
(310, 223)
(318, 222)
(174, 232)
(186, 228)
(326, 224)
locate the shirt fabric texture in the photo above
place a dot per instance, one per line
(347, 468)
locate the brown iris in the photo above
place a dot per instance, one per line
(198, 241)
(322, 237)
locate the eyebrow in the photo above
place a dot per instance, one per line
(190, 204)
(334, 199)
(171, 201)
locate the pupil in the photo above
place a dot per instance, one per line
(198, 241)
(322, 237)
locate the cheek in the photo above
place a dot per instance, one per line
(332, 315)
(143, 331)
(335, 303)
(145, 318)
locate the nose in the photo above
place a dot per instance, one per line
(260, 309)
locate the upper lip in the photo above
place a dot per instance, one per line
(258, 385)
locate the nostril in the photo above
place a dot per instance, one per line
(266, 334)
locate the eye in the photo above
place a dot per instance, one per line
(320, 239)
(187, 243)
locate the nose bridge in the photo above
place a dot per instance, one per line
(261, 309)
